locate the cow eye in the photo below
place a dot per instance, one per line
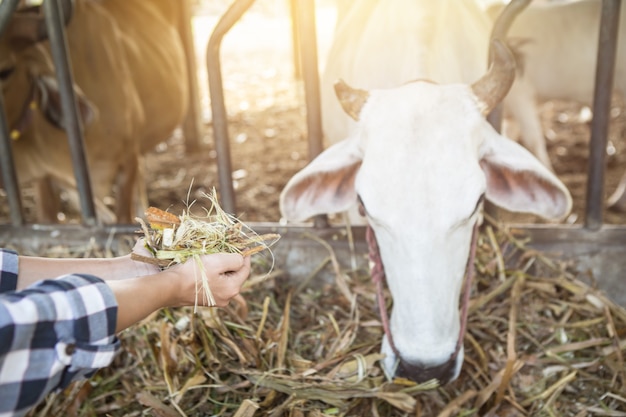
(466, 220)
(6, 73)
(362, 209)
(479, 204)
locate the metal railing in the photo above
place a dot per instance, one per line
(304, 25)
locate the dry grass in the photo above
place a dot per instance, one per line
(540, 342)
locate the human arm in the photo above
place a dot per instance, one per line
(52, 333)
(173, 287)
(59, 330)
(33, 268)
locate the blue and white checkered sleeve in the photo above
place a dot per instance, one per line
(52, 333)
(8, 270)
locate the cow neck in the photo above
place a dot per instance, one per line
(377, 272)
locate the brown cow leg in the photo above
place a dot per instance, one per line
(141, 189)
(130, 192)
(47, 201)
(617, 201)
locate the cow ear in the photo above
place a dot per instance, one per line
(50, 103)
(326, 185)
(518, 182)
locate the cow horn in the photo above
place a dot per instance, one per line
(493, 86)
(505, 19)
(351, 99)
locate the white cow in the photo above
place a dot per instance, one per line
(385, 43)
(421, 158)
(558, 46)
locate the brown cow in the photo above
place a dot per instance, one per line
(156, 57)
(127, 59)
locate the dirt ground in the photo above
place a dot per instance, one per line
(265, 104)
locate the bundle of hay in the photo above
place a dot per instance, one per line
(540, 342)
(174, 239)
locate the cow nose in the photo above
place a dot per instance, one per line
(443, 373)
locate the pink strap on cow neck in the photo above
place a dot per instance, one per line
(378, 276)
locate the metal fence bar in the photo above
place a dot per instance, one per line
(73, 126)
(307, 37)
(605, 69)
(192, 126)
(305, 33)
(303, 21)
(218, 108)
(7, 7)
(7, 167)
(295, 42)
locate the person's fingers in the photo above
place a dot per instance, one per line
(140, 248)
(228, 283)
(226, 274)
(143, 267)
(238, 276)
(226, 262)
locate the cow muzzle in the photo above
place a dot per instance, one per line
(444, 373)
(394, 364)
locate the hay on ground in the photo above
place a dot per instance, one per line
(540, 342)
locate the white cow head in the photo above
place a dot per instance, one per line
(421, 160)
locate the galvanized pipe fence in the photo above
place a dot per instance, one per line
(575, 240)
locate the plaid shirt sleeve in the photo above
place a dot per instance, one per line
(51, 333)
(8, 270)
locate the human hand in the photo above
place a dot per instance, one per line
(179, 285)
(225, 274)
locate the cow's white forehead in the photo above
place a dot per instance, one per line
(421, 107)
(420, 149)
